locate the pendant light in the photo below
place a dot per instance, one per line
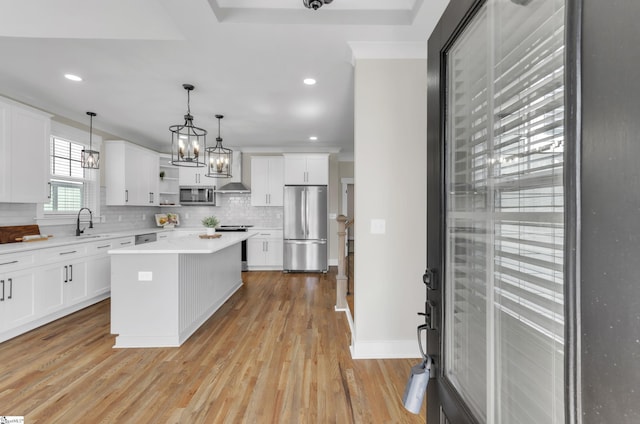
(90, 159)
(218, 158)
(187, 140)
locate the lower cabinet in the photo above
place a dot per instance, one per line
(16, 299)
(67, 279)
(264, 250)
(60, 285)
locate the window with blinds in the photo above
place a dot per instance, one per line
(504, 258)
(71, 186)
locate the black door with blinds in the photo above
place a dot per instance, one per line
(497, 213)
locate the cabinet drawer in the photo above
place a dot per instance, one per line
(267, 234)
(15, 261)
(102, 247)
(63, 253)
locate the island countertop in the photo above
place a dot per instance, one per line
(189, 243)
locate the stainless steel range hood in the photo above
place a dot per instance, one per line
(236, 187)
(233, 184)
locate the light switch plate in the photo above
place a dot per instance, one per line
(378, 226)
(145, 276)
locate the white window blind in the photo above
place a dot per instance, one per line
(71, 186)
(504, 319)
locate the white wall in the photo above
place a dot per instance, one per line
(390, 174)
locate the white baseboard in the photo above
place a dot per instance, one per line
(333, 262)
(385, 349)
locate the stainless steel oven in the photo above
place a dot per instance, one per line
(238, 228)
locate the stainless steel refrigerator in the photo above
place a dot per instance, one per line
(305, 228)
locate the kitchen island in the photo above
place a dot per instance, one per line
(162, 292)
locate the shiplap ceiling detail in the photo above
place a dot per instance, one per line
(247, 59)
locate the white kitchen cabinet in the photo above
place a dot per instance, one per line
(265, 250)
(131, 174)
(306, 169)
(98, 264)
(16, 289)
(24, 133)
(16, 298)
(267, 180)
(192, 176)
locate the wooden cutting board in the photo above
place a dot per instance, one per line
(10, 234)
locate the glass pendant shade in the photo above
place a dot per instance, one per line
(90, 158)
(219, 158)
(188, 142)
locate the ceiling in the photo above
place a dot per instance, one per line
(246, 58)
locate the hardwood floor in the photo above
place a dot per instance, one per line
(276, 352)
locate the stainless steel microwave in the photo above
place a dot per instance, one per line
(197, 196)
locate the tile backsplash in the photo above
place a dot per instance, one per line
(230, 209)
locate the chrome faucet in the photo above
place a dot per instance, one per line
(78, 230)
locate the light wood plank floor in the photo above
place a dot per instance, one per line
(276, 352)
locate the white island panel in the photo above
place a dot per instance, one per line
(162, 292)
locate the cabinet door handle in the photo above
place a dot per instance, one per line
(266, 244)
(150, 197)
(66, 274)
(70, 273)
(9, 263)
(49, 190)
(126, 195)
(2, 298)
(10, 288)
(103, 247)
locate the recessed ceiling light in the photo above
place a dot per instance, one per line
(72, 77)
(309, 81)
(313, 138)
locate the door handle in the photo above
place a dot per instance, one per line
(10, 288)
(70, 273)
(126, 195)
(66, 274)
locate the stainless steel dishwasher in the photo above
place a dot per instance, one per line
(146, 238)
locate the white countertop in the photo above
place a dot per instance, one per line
(87, 238)
(188, 243)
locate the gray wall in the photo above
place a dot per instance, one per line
(610, 247)
(390, 177)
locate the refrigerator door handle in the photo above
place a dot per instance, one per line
(306, 209)
(306, 242)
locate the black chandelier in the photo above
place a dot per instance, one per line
(89, 158)
(187, 140)
(218, 158)
(315, 4)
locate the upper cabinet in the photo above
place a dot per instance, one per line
(306, 169)
(194, 177)
(267, 180)
(24, 133)
(131, 174)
